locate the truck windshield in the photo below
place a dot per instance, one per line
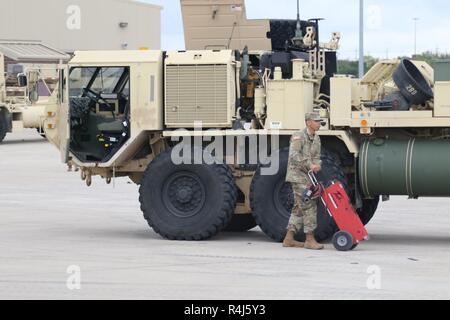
(100, 80)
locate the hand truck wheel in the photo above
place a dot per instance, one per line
(343, 241)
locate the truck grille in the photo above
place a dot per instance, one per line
(197, 93)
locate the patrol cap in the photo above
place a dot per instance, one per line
(313, 116)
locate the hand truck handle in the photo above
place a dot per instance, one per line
(313, 178)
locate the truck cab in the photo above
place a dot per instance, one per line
(104, 90)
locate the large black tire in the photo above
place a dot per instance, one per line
(187, 202)
(3, 127)
(368, 209)
(272, 199)
(241, 223)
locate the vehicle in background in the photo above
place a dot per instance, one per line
(28, 78)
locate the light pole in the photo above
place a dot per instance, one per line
(415, 35)
(361, 38)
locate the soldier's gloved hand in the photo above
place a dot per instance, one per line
(316, 168)
(312, 193)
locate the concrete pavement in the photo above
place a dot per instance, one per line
(50, 221)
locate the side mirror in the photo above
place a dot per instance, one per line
(22, 80)
(33, 96)
(33, 85)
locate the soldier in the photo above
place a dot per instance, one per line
(304, 156)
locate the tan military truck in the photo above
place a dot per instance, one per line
(205, 133)
(29, 74)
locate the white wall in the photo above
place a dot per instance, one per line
(72, 25)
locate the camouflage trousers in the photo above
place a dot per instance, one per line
(304, 215)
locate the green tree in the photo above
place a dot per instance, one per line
(351, 67)
(431, 57)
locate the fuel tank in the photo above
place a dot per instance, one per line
(414, 167)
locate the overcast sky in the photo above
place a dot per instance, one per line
(389, 25)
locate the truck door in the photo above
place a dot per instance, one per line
(64, 118)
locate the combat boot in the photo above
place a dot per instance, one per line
(311, 242)
(290, 242)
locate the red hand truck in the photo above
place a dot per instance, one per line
(339, 207)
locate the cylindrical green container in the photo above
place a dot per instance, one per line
(415, 167)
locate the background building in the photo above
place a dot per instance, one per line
(71, 25)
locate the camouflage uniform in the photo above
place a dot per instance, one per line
(304, 151)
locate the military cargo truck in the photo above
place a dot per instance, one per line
(29, 74)
(205, 133)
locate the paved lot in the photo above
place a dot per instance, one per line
(50, 220)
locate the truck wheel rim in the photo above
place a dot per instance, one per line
(283, 198)
(184, 195)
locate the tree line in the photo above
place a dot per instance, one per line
(351, 66)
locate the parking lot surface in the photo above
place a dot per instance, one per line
(54, 229)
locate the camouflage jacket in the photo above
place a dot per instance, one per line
(304, 151)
